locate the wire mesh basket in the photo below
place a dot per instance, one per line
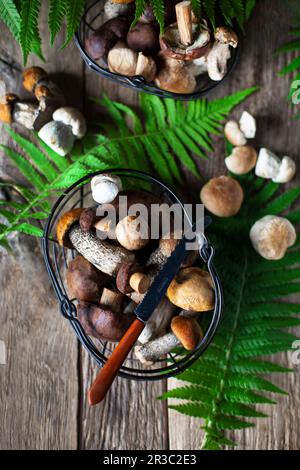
(93, 18)
(57, 258)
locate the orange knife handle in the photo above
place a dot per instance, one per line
(112, 366)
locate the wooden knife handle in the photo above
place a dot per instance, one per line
(112, 366)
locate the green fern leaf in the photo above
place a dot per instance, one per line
(57, 11)
(158, 10)
(10, 16)
(29, 25)
(74, 10)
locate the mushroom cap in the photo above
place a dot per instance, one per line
(103, 323)
(123, 60)
(175, 77)
(226, 35)
(192, 289)
(31, 76)
(248, 125)
(88, 217)
(222, 196)
(99, 43)
(242, 160)
(123, 1)
(105, 187)
(171, 46)
(123, 277)
(188, 331)
(271, 236)
(287, 171)
(143, 37)
(58, 137)
(71, 117)
(6, 107)
(84, 280)
(132, 233)
(234, 134)
(64, 224)
(146, 67)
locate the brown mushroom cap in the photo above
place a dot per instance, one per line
(64, 224)
(187, 330)
(123, 277)
(192, 289)
(226, 35)
(174, 77)
(242, 160)
(103, 323)
(130, 233)
(222, 196)
(143, 37)
(171, 46)
(84, 280)
(88, 218)
(31, 76)
(99, 43)
(6, 107)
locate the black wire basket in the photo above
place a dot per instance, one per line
(57, 258)
(92, 20)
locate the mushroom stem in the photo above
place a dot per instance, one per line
(159, 321)
(101, 254)
(139, 282)
(113, 299)
(150, 352)
(184, 22)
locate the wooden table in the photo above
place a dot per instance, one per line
(43, 385)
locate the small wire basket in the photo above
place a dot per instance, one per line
(57, 258)
(92, 19)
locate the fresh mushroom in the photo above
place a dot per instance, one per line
(217, 60)
(192, 289)
(12, 110)
(186, 332)
(103, 39)
(105, 187)
(37, 81)
(58, 137)
(102, 322)
(114, 9)
(125, 61)
(248, 125)
(225, 35)
(222, 196)
(112, 299)
(174, 76)
(144, 37)
(64, 224)
(84, 281)
(132, 233)
(242, 160)
(234, 134)
(185, 40)
(71, 117)
(269, 166)
(131, 278)
(271, 236)
(159, 321)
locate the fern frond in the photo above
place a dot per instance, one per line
(29, 25)
(74, 10)
(10, 16)
(57, 10)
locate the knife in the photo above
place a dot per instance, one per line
(143, 312)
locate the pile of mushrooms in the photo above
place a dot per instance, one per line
(223, 196)
(57, 125)
(111, 274)
(172, 60)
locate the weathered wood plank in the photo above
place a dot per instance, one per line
(278, 131)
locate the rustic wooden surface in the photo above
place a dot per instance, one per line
(43, 384)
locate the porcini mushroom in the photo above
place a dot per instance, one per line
(99, 43)
(222, 196)
(114, 9)
(103, 322)
(112, 299)
(37, 81)
(105, 187)
(248, 125)
(131, 278)
(186, 332)
(143, 37)
(174, 76)
(84, 281)
(234, 134)
(192, 289)
(64, 224)
(12, 110)
(217, 60)
(132, 233)
(185, 40)
(58, 137)
(269, 166)
(271, 236)
(242, 160)
(71, 117)
(127, 62)
(226, 35)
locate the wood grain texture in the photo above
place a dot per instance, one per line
(43, 386)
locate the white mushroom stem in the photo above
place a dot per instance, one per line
(159, 321)
(269, 166)
(112, 299)
(25, 114)
(101, 254)
(184, 22)
(154, 350)
(217, 61)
